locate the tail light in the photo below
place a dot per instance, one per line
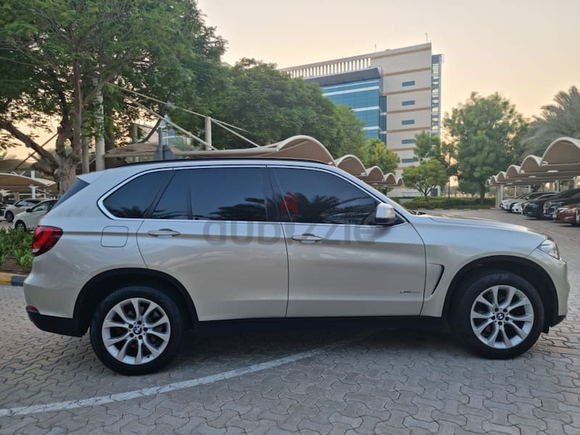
(44, 239)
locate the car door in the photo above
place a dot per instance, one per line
(210, 231)
(340, 263)
(36, 213)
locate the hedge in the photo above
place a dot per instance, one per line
(452, 202)
(15, 249)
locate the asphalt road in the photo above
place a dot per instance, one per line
(381, 381)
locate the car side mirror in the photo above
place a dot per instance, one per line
(28, 210)
(385, 214)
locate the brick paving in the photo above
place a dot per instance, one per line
(384, 381)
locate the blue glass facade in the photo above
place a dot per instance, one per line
(436, 61)
(363, 97)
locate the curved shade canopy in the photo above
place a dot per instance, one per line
(295, 147)
(560, 161)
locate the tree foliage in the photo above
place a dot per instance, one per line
(271, 106)
(58, 55)
(556, 120)
(485, 132)
(426, 176)
(376, 153)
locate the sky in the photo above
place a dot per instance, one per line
(527, 50)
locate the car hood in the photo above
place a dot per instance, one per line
(481, 223)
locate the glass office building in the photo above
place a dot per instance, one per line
(396, 93)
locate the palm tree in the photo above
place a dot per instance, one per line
(556, 120)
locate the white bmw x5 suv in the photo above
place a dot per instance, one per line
(140, 254)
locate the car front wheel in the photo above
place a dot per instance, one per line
(9, 216)
(498, 315)
(137, 330)
(20, 226)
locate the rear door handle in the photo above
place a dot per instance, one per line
(307, 238)
(164, 232)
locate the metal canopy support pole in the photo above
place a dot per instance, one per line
(99, 130)
(33, 188)
(208, 144)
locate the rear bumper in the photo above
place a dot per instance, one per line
(57, 325)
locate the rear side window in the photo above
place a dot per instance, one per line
(174, 201)
(135, 198)
(319, 197)
(74, 189)
(235, 194)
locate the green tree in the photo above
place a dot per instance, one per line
(426, 176)
(271, 106)
(376, 153)
(349, 136)
(485, 132)
(556, 120)
(57, 56)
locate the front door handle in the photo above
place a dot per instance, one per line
(307, 238)
(164, 232)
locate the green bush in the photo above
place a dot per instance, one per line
(16, 244)
(452, 202)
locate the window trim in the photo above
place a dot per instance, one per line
(146, 217)
(275, 180)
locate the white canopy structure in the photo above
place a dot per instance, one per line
(22, 184)
(295, 147)
(560, 161)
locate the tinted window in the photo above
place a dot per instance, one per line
(134, 198)
(173, 202)
(75, 188)
(235, 194)
(319, 197)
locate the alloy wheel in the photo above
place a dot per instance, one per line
(502, 317)
(136, 331)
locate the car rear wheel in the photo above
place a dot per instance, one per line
(498, 314)
(20, 226)
(9, 216)
(137, 330)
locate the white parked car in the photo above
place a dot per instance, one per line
(30, 218)
(140, 254)
(18, 207)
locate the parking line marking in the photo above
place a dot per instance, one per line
(151, 391)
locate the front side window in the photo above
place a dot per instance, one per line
(311, 196)
(41, 207)
(233, 194)
(135, 198)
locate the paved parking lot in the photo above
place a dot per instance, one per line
(379, 381)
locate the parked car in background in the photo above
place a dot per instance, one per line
(19, 207)
(139, 255)
(567, 197)
(529, 197)
(29, 219)
(506, 203)
(567, 214)
(534, 208)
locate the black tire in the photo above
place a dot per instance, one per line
(470, 290)
(19, 225)
(9, 216)
(177, 323)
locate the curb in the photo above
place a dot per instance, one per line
(11, 279)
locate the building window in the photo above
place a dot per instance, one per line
(408, 121)
(411, 160)
(407, 141)
(409, 83)
(408, 103)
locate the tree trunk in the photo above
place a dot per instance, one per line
(65, 175)
(482, 194)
